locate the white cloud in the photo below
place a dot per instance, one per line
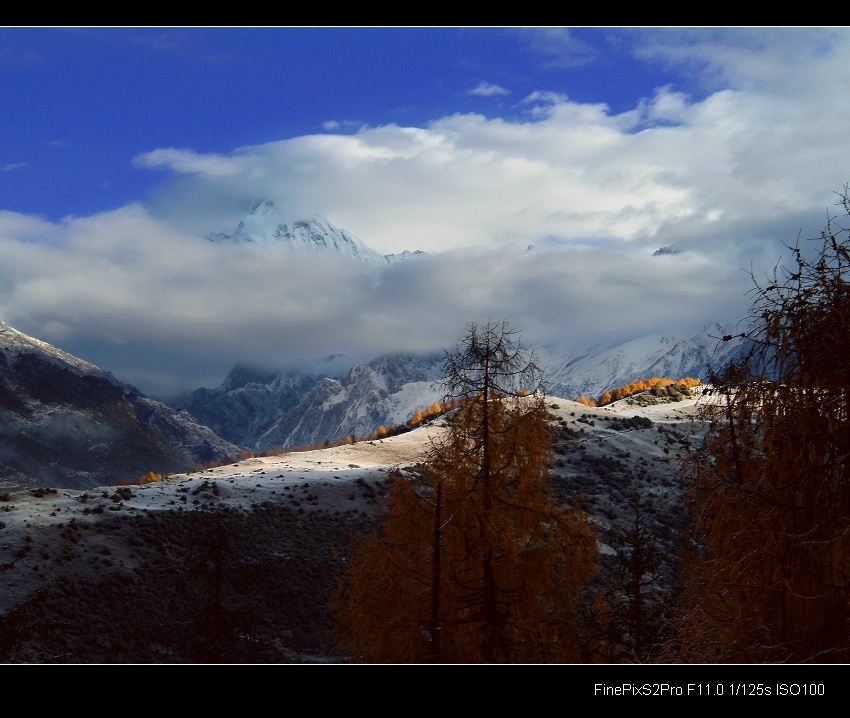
(489, 89)
(667, 105)
(540, 97)
(559, 47)
(168, 311)
(737, 158)
(784, 60)
(189, 162)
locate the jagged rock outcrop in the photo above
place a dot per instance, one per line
(386, 390)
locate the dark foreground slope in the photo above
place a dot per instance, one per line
(184, 587)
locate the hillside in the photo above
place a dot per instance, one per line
(67, 423)
(129, 574)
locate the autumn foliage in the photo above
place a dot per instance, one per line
(420, 416)
(768, 576)
(148, 478)
(637, 387)
(477, 563)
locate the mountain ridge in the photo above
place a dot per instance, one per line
(388, 389)
(67, 423)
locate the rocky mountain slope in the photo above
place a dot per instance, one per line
(385, 391)
(248, 402)
(264, 410)
(67, 423)
(574, 371)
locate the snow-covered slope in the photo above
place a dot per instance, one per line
(248, 402)
(385, 391)
(51, 400)
(573, 371)
(262, 411)
(289, 522)
(14, 343)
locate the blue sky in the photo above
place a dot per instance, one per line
(83, 102)
(123, 147)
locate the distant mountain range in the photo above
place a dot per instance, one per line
(261, 411)
(266, 225)
(574, 371)
(283, 409)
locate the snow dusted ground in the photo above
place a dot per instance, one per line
(254, 480)
(33, 523)
(121, 573)
(240, 485)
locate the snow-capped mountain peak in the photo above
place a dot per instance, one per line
(267, 225)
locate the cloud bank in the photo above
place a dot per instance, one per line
(722, 181)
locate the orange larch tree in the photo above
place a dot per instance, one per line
(477, 562)
(768, 576)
